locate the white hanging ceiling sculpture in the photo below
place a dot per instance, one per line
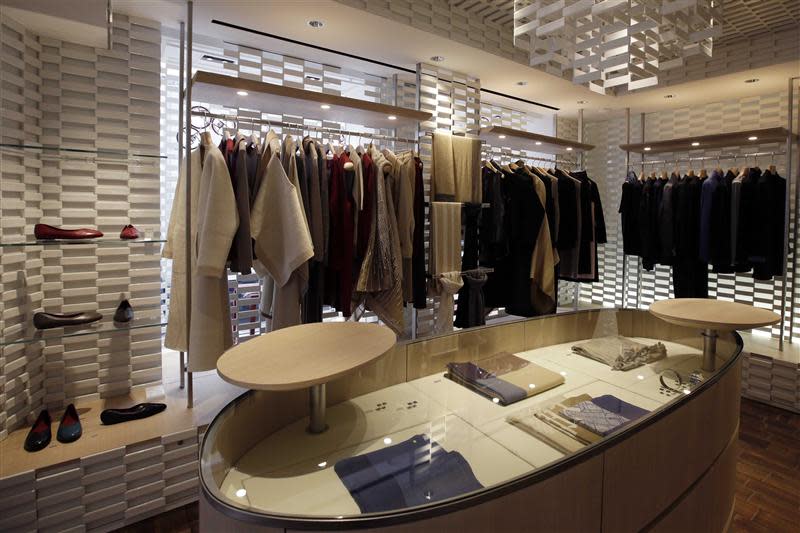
(604, 44)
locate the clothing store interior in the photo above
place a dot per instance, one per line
(419, 265)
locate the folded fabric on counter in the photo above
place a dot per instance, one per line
(591, 416)
(620, 353)
(611, 403)
(414, 472)
(504, 377)
(554, 430)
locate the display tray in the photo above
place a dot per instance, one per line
(459, 441)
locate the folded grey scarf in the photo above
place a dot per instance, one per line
(620, 353)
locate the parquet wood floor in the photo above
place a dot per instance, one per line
(767, 478)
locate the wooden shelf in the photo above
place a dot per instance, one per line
(719, 140)
(526, 140)
(208, 87)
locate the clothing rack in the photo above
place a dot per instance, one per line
(554, 160)
(302, 127)
(709, 158)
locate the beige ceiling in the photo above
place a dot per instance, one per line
(369, 35)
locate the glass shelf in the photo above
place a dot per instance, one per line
(60, 150)
(76, 242)
(103, 326)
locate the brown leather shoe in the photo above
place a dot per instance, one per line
(53, 320)
(129, 232)
(45, 232)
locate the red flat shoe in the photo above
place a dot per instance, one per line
(45, 232)
(129, 232)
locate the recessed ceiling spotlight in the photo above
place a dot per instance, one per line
(392, 117)
(498, 116)
(501, 136)
(646, 148)
(241, 93)
(324, 106)
(538, 143)
(581, 102)
(437, 59)
(752, 80)
(241, 493)
(668, 96)
(387, 441)
(752, 138)
(569, 148)
(316, 24)
(695, 143)
(522, 83)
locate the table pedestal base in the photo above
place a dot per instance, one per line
(709, 349)
(316, 404)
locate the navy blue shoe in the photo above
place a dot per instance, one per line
(39, 436)
(69, 430)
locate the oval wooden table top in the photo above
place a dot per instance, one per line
(305, 355)
(712, 314)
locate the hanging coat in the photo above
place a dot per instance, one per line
(214, 221)
(282, 239)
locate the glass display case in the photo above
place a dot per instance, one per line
(459, 420)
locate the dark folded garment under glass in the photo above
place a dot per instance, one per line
(504, 377)
(414, 472)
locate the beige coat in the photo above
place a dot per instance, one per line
(214, 221)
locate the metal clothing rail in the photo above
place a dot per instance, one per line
(709, 158)
(299, 126)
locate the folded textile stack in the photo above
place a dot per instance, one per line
(577, 421)
(414, 472)
(503, 377)
(620, 353)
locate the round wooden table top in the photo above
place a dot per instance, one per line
(712, 314)
(305, 355)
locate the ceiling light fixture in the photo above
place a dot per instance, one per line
(752, 138)
(241, 93)
(695, 143)
(607, 45)
(498, 116)
(538, 143)
(437, 59)
(501, 136)
(581, 102)
(569, 148)
(646, 148)
(752, 80)
(522, 83)
(323, 464)
(387, 441)
(316, 24)
(392, 117)
(241, 493)
(325, 106)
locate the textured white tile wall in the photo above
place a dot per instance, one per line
(66, 95)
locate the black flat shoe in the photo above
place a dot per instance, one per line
(142, 410)
(54, 320)
(124, 312)
(69, 430)
(39, 436)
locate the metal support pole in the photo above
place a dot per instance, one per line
(576, 296)
(181, 86)
(316, 418)
(188, 182)
(639, 260)
(787, 276)
(709, 349)
(627, 167)
(790, 154)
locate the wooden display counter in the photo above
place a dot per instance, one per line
(674, 469)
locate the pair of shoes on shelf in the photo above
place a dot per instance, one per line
(138, 411)
(69, 429)
(47, 232)
(122, 315)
